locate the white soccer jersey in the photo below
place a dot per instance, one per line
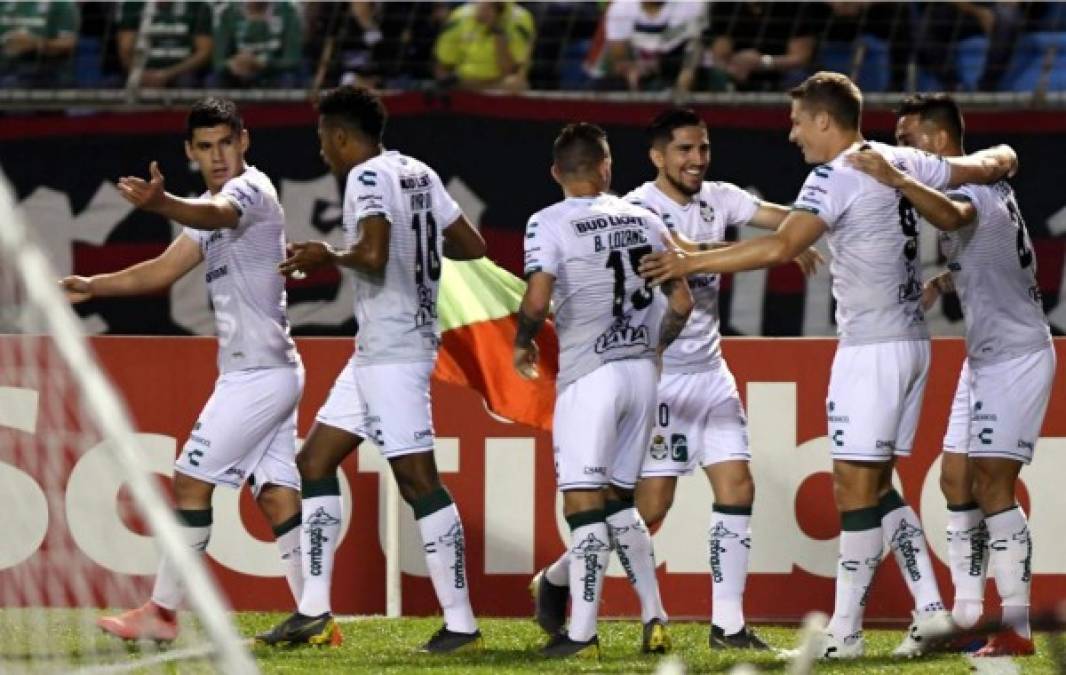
(873, 239)
(397, 311)
(994, 269)
(604, 310)
(247, 292)
(704, 218)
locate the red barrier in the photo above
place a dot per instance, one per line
(502, 478)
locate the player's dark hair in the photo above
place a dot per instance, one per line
(212, 111)
(832, 93)
(661, 130)
(579, 148)
(355, 107)
(940, 109)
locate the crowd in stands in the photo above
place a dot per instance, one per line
(625, 45)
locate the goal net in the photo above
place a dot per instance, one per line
(76, 499)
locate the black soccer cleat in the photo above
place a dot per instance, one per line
(446, 641)
(655, 640)
(745, 638)
(549, 603)
(561, 647)
(303, 630)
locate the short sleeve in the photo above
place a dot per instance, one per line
(196, 235)
(929, 169)
(826, 193)
(739, 204)
(366, 196)
(658, 233)
(542, 251)
(620, 20)
(244, 196)
(448, 210)
(966, 193)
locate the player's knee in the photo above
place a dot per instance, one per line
(413, 485)
(314, 466)
(954, 486)
(740, 491)
(191, 493)
(653, 511)
(993, 493)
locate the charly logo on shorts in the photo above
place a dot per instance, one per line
(659, 449)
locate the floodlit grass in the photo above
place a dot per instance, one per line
(377, 645)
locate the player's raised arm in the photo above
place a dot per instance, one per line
(941, 211)
(208, 213)
(146, 277)
(984, 166)
(462, 241)
(532, 313)
(796, 234)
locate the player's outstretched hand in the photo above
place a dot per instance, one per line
(664, 266)
(304, 257)
(144, 194)
(875, 165)
(525, 361)
(809, 260)
(77, 289)
(935, 287)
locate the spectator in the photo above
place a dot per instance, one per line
(486, 45)
(38, 42)
(888, 21)
(943, 24)
(258, 44)
(764, 46)
(651, 45)
(564, 33)
(373, 44)
(178, 41)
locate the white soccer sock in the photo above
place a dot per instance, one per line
(558, 573)
(318, 543)
(729, 543)
(287, 536)
(590, 551)
(860, 554)
(903, 534)
(1010, 558)
(632, 542)
(444, 546)
(196, 530)
(968, 561)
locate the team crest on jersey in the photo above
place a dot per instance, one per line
(622, 335)
(706, 212)
(658, 447)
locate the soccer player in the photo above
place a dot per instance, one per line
(699, 418)
(398, 221)
(880, 368)
(581, 254)
(247, 429)
(1005, 382)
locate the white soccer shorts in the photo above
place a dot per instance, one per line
(699, 421)
(601, 425)
(387, 404)
(247, 430)
(875, 398)
(999, 408)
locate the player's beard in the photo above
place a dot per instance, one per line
(681, 187)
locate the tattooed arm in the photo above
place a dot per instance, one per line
(531, 315)
(677, 311)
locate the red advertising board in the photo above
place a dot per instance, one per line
(501, 476)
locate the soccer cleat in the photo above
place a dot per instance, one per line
(1007, 643)
(655, 639)
(299, 629)
(926, 633)
(147, 622)
(446, 641)
(549, 603)
(745, 638)
(561, 647)
(849, 647)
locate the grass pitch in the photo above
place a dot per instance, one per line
(378, 645)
